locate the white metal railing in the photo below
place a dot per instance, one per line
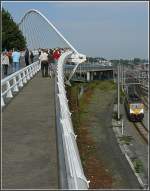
(74, 171)
(15, 81)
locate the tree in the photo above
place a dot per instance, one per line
(136, 60)
(12, 37)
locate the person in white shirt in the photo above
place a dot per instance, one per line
(5, 63)
(44, 63)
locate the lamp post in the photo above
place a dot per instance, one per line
(118, 108)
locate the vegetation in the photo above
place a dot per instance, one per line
(12, 37)
(93, 166)
(126, 139)
(138, 165)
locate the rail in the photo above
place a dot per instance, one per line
(143, 131)
(71, 175)
(14, 82)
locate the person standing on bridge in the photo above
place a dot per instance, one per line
(26, 56)
(31, 56)
(50, 61)
(16, 60)
(56, 55)
(5, 63)
(44, 63)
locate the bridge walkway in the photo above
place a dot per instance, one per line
(29, 154)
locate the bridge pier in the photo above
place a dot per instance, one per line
(88, 76)
(91, 75)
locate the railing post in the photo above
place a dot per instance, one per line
(2, 101)
(9, 93)
(33, 70)
(28, 75)
(24, 77)
(15, 89)
(20, 80)
(31, 73)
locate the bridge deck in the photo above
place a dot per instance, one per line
(29, 156)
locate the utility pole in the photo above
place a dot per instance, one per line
(118, 90)
(124, 77)
(122, 129)
(122, 66)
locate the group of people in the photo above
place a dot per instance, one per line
(49, 59)
(12, 58)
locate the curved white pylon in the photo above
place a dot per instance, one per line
(76, 56)
(55, 29)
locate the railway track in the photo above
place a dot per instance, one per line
(143, 131)
(143, 97)
(145, 101)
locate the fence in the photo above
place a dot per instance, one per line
(70, 168)
(71, 175)
(14, 82)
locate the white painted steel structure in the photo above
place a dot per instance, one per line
(75, 57)
(75, 174)
(76, 179)
(17, 80)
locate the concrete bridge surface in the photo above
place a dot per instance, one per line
(29, 154)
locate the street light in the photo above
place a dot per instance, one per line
(118, 108)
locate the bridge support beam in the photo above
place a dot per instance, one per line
(88, 76)
(91, 75)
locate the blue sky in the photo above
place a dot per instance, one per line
(108, 29)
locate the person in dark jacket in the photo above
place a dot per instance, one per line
(50, 62)
(31, 56)
(26, 56)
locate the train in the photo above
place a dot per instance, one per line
(134, 105)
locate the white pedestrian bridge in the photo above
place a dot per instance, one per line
(39, 144)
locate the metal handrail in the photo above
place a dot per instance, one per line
(17, 80)
(70, 159)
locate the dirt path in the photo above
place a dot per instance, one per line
(101, 157)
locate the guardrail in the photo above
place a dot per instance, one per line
(71, 175)
(14, 82)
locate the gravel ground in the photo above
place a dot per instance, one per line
(103, 162)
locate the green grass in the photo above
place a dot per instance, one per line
(81, 115)
(125, 139)
(138, 165)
